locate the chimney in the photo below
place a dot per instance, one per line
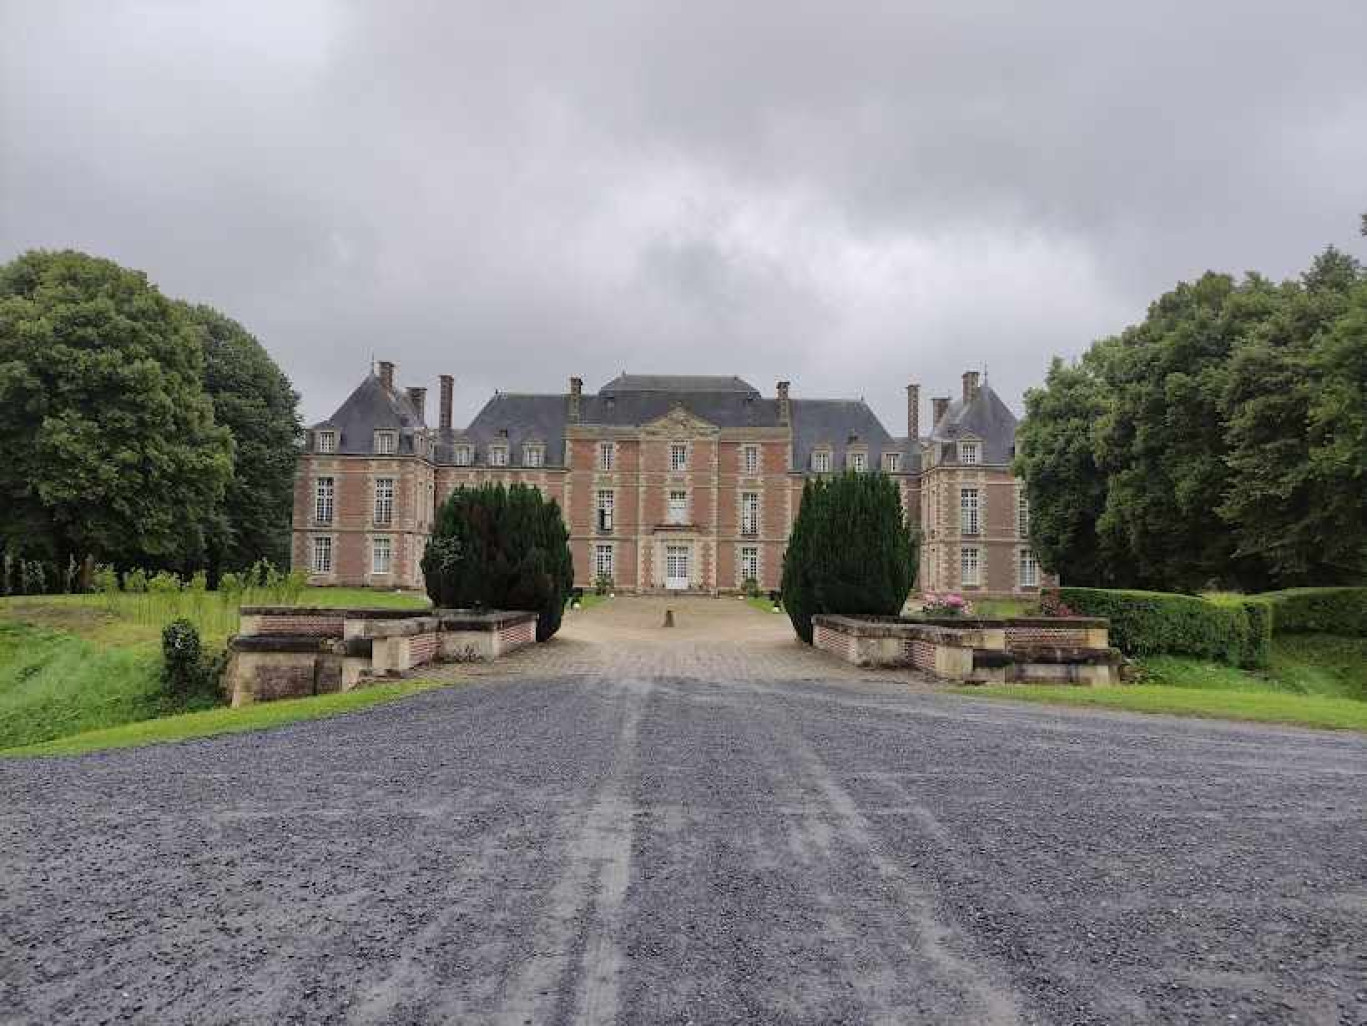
(785, 408)
(418, 397)
(913, 411)
(938, 405)
(387, 375)
(448, 385)
(970, 386)
(576, 394)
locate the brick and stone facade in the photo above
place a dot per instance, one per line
(667, 482)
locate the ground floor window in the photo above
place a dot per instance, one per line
(322, 555)
(970, 566)
(1029, 569)
(381, 552)
(749, 563)
(602, 561)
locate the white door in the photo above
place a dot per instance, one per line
(676, 567)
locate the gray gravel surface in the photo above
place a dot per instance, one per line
(667, 851)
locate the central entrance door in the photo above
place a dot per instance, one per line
(676, 567)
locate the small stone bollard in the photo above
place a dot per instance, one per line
(669, 618)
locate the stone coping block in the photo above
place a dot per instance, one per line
(985, 634)
(481, 619)
(300, 643)
(1061, 654)
(355, 613)
(391, 628)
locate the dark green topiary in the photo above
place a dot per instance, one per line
(851, 550)
(500, 548)
(1234, 631)
(1340, 611)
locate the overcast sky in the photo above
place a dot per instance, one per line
(849, 195)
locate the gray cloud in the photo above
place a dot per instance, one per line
(850, 196)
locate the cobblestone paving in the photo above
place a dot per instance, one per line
(712, 639)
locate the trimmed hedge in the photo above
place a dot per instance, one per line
(1233, 631)
(1340, 611)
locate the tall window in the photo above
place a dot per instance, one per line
(464, 455)
(606, 453)
(1029, 569)
(322, 555)
(602, 560)
(1022, 513)
(533, 456)
(857, 461)
(970, 452)
(970, 566)
(821, 461)
(498, 455)
(749, 513)
(381, 549)
(678, 456)
(384, 500)
(605, 504)
(749, 563)
(968, 511)
(325, 490)
(386, 443)
(892, 462)
(678, 507)
(326, 441)
(750, 457)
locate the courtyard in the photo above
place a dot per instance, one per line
(704, 824)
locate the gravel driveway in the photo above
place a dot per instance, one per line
(657, 850)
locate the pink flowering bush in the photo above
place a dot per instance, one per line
(947, 604)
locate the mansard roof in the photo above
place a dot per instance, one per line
(370, 408)
(676, 383)
(839, 425)
(984, 417)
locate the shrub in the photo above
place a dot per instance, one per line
(182, 654)
(501, 548)
(1234, 631)
(135, 581)
(1051, 605)
(602, 585)
(1341, 611)
(750, 588)
(850, 550)
(947, 604)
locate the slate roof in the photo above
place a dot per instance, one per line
(676, 383)
(524, 418)
(369, 408)
(984, 416)
(840, 425)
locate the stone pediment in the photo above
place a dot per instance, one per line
(680, 423)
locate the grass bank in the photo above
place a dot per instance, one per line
(1258, 706)
(212, 722)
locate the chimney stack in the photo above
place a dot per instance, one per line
(970, 386)
(938, 405)
(448, 385)
(387, 375)
(913, 411)
(418, 397)
(785, 408)
(576, 395)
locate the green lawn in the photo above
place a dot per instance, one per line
(762, 603)
(1301, 664)
(997, 609)
(590, 600)
(222, 720)
(1261, 706)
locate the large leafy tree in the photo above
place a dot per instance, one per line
(254, 400)
(110, 443)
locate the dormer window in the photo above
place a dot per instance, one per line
(463, 455)
(970, 452)
(857, 461)
(386, 443)
(892, 462)
(533, 455)
(498, 455)
(325, 441)
(821, 461)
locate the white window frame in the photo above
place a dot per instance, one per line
(676, 506)
(1022, 513)
(892, 462)
(678, 457)
(324, 499)
(604, 509)
(857, 461)
(750, 459)
(498, 455)
(604, 564)
(375, 563)
(607, 455)
(971, 566)
(534, 455)
(321, 544)
(385, 488)
(970, 513)
(970, 452)
(325, 441)
(749, 512)
(386, 443)
(821, 461)
(464, 455)
(1029, 569)
(748, 563)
